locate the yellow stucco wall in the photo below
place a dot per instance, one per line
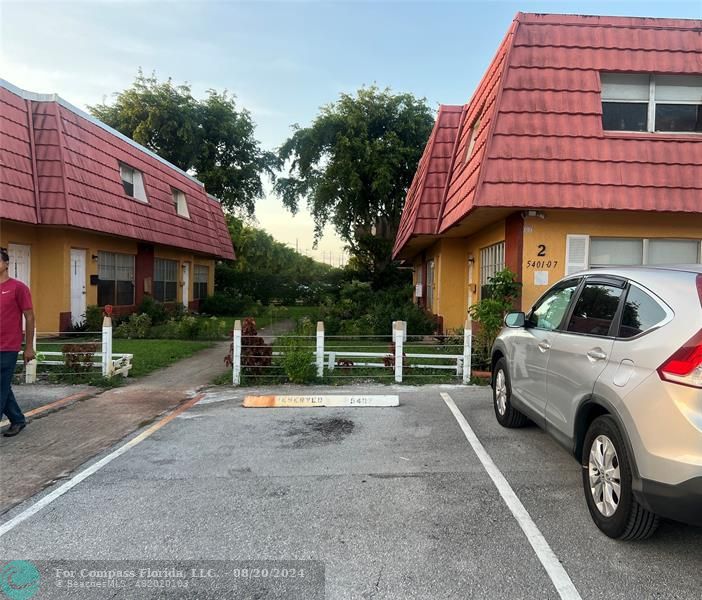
(450, 282)
(551, 232)
(50, 265)
(457, 282)
(48, 270)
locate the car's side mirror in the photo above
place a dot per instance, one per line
(515, 319)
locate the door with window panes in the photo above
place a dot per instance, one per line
(201, 277)
(165, 280)
(115, 279)
(492, 261)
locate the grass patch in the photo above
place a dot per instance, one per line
(150, 355)
(269, 315)
(223, 379)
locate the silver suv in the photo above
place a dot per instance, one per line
(609, 362)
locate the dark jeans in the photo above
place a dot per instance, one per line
(8, 404)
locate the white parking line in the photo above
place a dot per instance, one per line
(543, 551)
(94, 468)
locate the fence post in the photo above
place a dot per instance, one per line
(30, 370)
(236, 354)
(107, 365)
(320, 348)
(467, 344)
(398, 338)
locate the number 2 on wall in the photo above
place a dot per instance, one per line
(542, 250)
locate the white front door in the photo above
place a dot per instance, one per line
(20, 262)
(77, 286)
(186, 284)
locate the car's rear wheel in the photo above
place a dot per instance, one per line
(607, 484)
(506, 414)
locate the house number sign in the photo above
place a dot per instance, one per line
(544, 263)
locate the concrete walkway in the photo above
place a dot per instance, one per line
(52, 446)
(56, 443)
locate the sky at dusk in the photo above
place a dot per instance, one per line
(283, 60)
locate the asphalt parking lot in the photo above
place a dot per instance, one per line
(394, 503)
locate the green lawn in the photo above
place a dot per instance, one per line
(149, 355)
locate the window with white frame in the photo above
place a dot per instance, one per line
(165, 280)
(492, 261)
(419, 283)
(642, 251)
(652, 103)
(115, 279)
(133, 182)
(200, 279)
(180, 203)
(429, 302)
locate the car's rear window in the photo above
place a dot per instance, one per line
(641, 313)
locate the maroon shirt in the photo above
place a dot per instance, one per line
(15, 298)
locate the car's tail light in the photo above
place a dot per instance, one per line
(685, 366)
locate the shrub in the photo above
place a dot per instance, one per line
(189, 328)
(256, 355)
(297, 360)
(136, 327)
(306, 326)
(224, 305)
(362, 311)
(93, 318)
(213, 329)
(502, 290)
(175, 311)
(78, 358)
(156, 311)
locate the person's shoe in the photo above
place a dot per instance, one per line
(13, 430)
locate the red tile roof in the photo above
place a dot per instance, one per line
(61, 167)
(423, 203)
(540, 143)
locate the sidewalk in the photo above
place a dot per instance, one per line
(52, 446)
(55, 443)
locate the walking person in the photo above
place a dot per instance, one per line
(15, 301)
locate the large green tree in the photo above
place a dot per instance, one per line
(267, 269)
(353, 166)
(211, 138)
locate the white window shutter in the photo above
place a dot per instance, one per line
(577, 253)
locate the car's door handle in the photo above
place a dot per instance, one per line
(596, 355)
(544, 346)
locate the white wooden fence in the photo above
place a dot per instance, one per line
(459, 363)
(109, 363)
